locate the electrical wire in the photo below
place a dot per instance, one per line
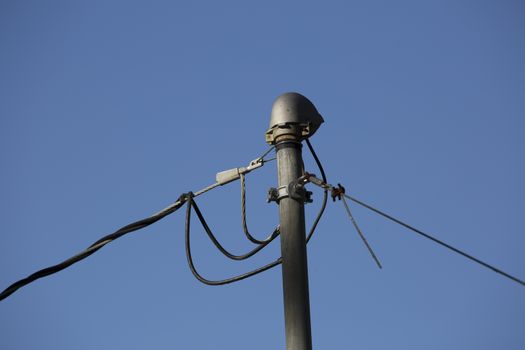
(220, 247)
(137, 225)
(119, 233)
(156, 217)
(191, 204)
(123, 231)
(435, 240)
(93, 248)
(325, 194)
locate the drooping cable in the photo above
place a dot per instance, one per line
(247, 233)
(435, 240)
(125, 230)
(93, 248)
(325, 194)
(220, 247)
(190, 203)
(319, 214)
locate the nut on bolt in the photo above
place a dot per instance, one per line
(273, 195)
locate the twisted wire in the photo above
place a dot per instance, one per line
(243, 217)
(93, 248)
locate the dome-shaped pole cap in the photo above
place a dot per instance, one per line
(292, 113)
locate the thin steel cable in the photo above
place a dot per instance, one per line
(327, 187)
(435, 240)
(247, 233)
(243, 218)
(266, 153)
(360, 233)
(220, 247)
(206, 189)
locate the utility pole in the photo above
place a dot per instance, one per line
(293, 119)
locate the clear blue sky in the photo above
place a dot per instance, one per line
(110, 109)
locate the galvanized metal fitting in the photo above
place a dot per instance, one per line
(293, 114)
(227, 176)
(338, 192)
(294, 190)
(276, 194)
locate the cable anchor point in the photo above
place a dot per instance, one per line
(337, 192)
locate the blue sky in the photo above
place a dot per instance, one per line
(111, 109)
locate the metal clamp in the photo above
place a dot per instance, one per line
(336, 192)
(227, 176)
(294, 190)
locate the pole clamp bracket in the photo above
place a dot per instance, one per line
(294, 190)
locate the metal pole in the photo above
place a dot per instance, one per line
(293, 118)
(293, 249)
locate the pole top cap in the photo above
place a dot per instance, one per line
(292, 113)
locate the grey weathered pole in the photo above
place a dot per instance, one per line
(293, 119)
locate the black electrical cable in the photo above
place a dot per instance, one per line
(190, 259)
(191, 203)
(92, 248)
(319, 214)
(435, 240)
(220, 247)
(325, 195)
